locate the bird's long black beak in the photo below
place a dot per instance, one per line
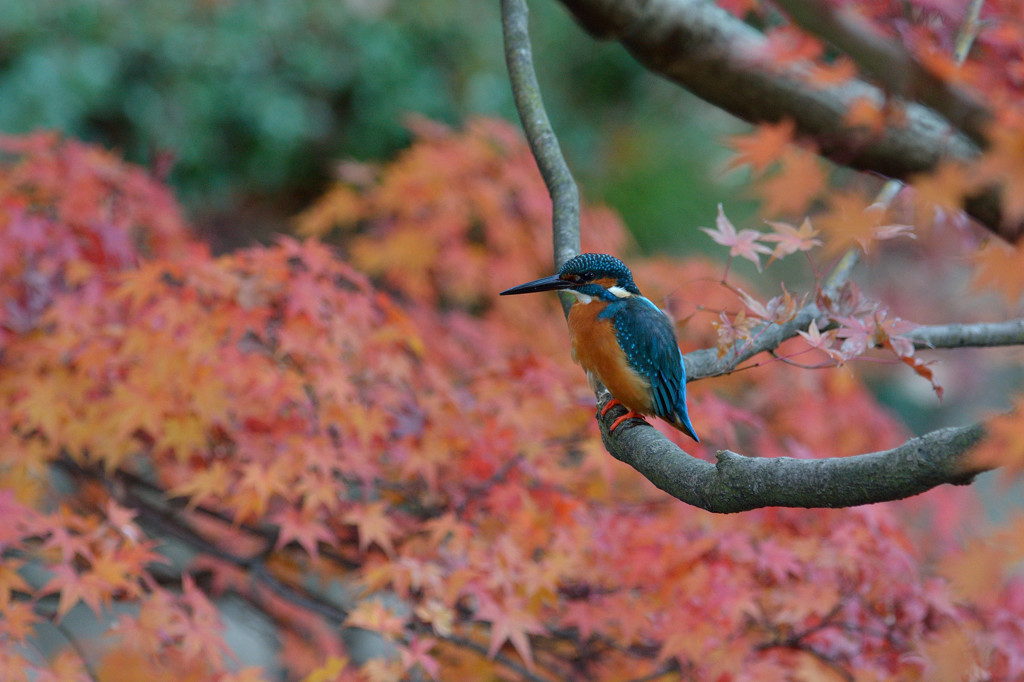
(551, 283)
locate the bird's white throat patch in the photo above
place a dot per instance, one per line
(619, 291)
(582, 298)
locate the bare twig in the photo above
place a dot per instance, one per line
(968, 31)
(704, 363)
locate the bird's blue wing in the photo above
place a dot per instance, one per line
(647, 338)
(649, 342)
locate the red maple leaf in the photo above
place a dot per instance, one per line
(301, 526)
(375, 526)
(510, 622)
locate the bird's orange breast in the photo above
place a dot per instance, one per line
(595, 347)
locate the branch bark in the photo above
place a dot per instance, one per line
(715, 56)
(980, 334)
(565, 196)
(738, 483)
(891, 64)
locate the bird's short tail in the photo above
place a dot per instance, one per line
(681, 420)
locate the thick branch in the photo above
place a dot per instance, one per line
(738, 483)
(716, 56)
(891, 63)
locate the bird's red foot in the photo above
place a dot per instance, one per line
(632, 414)
(609, 405)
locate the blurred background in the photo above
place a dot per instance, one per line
(247, 107)
(250, 105)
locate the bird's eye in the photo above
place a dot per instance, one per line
(587, 275)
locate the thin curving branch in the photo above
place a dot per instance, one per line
(565, 197)
(716, 56)
(704, 363)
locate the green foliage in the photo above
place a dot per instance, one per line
(260, 94)
(262, 97)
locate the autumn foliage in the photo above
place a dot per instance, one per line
(359, 439)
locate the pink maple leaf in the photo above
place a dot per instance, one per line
(743, 243)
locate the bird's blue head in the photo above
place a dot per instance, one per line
(593, 275)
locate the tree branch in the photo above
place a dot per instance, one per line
(738, 483)
(716, 56)
(980, 334)
(891, 63)
(160, 516)
(704, 363)
(565, 198)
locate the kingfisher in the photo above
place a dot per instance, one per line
(621, 339)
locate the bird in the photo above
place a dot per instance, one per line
(621, 339)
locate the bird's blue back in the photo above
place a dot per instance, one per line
(649, 343)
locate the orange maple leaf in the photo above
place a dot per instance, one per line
(832, 74)
(18, 620)
(1003, 163)
(510, 622)
(864, 113)
(851, 219)
(371, 614)
(1003, 445)
(791, 188)
(787, 44)
(762, 147)
(374, 524)
(301, 526)
(943, 188)
(74, 588)
(1000, 267)
(329, 671)
(789, 239)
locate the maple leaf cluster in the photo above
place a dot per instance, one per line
(70, 211)
(357, 439)
(849, 324)
(941, 48)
